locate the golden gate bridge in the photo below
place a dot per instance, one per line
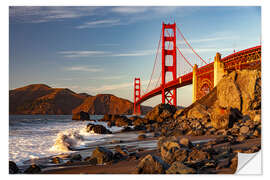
(181, 65)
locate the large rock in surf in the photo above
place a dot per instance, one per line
(151, 165)
(80, 116)
(99, 129)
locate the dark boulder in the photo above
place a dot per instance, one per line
(81, 116)
(197, 156)
(99, 129)
(57, 160)
(141, 136)
(13, 168)
(33, 169)
(122, 150)
(75, 157)
(151, 165)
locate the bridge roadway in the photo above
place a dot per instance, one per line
(187, 78)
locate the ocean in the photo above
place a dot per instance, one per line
(40, 136)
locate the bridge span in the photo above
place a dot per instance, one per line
(203, 78)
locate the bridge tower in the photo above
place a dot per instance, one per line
(137, 95)
(168, 96)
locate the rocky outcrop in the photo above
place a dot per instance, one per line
(81, 116)
(99, 129)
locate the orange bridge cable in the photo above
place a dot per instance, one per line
(184, 57)
(189, 44)
(154, 63)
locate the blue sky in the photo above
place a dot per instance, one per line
(101, 49)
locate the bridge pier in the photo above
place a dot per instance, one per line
(137, 96)
(168, 96)
(218, 69)
(194, 83)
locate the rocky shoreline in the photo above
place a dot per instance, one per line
(224, 122)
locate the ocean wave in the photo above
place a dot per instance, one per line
(66, 141)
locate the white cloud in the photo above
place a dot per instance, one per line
(134, 53)
(39, 14)
(84, 68)
(76, 54)
(99, 23)
(129, 9)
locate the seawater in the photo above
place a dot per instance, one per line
(38, 136)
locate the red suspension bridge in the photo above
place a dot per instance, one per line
(181, 66)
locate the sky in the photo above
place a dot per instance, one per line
(100, 50)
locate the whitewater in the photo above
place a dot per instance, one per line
(40, 136)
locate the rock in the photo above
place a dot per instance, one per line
(110, 123)
(228, 93)
(33, 169)
(257, 119)
(121, 150)
(91, 160)
(126, 129)
(116, 141)
(197, 111)
(122, 121)
(141, 136)
(222, 118)
(223, 163)
(57, 160)
(249, 84)
(156, 134)
(160, 112)
(244, 130)
(197, 156)
(13, 168)
(234, 163)
(170, 151)
(75, 157)
(240, 138)
(180, 168)
(151, 165)
(186, 142)
(178, 113)
(99, 129)
(165, 114)
(102, 155)
(81, 116)
(133, 156)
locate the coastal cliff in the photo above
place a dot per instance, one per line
(43, 99)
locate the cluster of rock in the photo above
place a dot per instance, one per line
(180, 156)
(231, 111)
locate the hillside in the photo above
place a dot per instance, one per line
(107, 104)
(42, 99)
